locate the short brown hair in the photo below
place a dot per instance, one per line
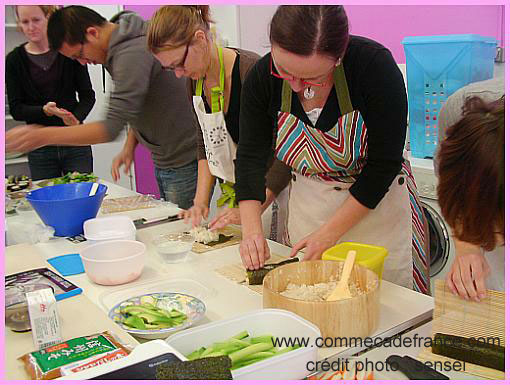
(471, 169)
(308, 29)
(177, 24)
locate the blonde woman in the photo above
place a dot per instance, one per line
(180, 38)
(41, 89)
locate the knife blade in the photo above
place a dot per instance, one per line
(414, 369)
(143, 222)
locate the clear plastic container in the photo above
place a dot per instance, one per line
(114, 262)
(279, 323)
(173, 247)
(116, 227)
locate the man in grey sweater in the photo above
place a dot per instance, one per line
(153, 101)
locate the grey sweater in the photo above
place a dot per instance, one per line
(153, 101)
(488, 90)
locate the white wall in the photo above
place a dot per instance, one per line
(254, 27)
(227, 23)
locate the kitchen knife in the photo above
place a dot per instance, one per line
(414, 369)
(142, 222)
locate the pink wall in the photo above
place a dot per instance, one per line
(144, 168)
(389, 24)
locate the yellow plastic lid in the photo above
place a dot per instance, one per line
(370, 256)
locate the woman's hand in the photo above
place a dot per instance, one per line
(226, 217)
(254, 251)
(467, 276)
(25, 138)
(51, 109)
(316, 243)
(125, 157)
(67, 117)
(196, 213)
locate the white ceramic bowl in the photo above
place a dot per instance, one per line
(115, 227)
(114, 262)
(173, 247)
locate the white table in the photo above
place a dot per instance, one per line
(401, 308)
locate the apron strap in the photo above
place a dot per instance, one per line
(217, 99)
(286, 97)
(342, 92)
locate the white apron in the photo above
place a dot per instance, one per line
(325, 165)
(312, 203)
(219, 147)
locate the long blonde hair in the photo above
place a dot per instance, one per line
(177, 24)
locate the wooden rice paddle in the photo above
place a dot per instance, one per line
(341, 290)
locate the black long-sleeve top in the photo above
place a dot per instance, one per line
(25, 100)
(377, 91)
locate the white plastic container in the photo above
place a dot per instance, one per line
(114, 262)
(109, 228)
(278, 323)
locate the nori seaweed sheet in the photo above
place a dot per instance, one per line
(209, 368)
(256, 277)
(221, 239)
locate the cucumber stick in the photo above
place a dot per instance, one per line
(242, 350)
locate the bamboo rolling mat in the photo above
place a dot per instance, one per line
(455, 316)
(200, 248)
(117, 205)
(237, 272)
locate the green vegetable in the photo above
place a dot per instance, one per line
(75, 177)
(243, 351)
(149, 316)
(256, 277)
(469, 350)
(135, 322)
(211, 368)
(228, 195)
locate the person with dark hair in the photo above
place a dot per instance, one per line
(333, 107)
(471, 194)
(180, 37)
(152, 101)
(41, 89)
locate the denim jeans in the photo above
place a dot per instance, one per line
(178, 185)
(56, 161)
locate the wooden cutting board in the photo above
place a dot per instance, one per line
(455, 316)
(237, 272)
(235, 233)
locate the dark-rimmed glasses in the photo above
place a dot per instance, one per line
(182, 62)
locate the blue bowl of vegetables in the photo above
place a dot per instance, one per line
(66, 206)
(157, 315)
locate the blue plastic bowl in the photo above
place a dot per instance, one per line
(66, 206)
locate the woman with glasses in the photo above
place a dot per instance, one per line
(41, 88)
(180, 38)
(333, 107)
